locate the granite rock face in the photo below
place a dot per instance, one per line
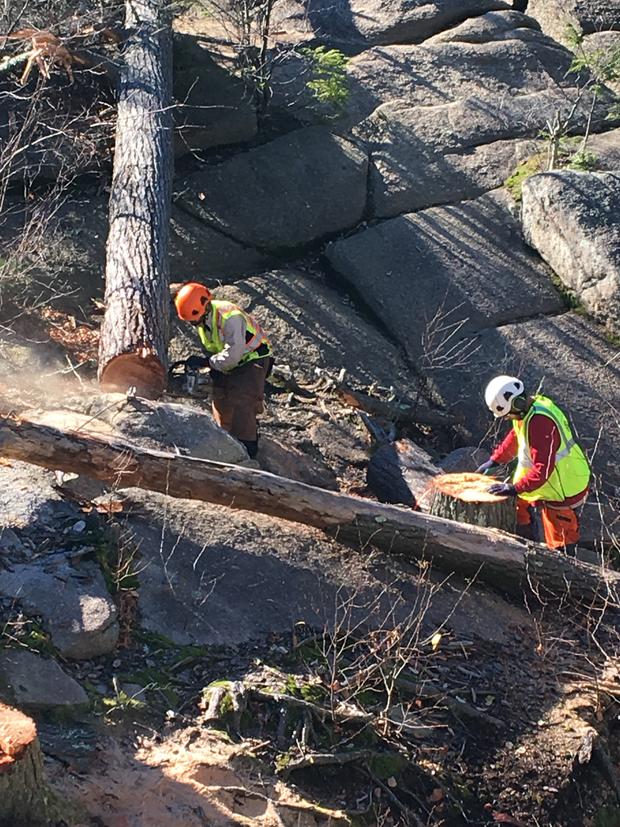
(572, 219)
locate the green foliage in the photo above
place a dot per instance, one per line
(117, 560)
(573, 36)
(290, 685)
(329, 83)
(583, 161)
(525, 169)
(603, 64)
(121, 702)
(282, 761)
(570, 300)
(26, 633)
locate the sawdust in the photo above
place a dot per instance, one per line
(471, 488)
(193, 777)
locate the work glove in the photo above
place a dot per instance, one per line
(487, 467)
(197, 362)
(503, 489)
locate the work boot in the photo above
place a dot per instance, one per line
(251, 446)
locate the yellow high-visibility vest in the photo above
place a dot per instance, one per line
(213, 339)
(571, 474)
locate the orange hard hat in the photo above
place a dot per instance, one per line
(191, 301)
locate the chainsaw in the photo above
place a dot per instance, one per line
(184, 380)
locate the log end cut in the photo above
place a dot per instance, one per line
(25, 799)
(467, 487)
(133, 370)
(17, 734)
(465, 498)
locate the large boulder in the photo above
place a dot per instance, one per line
(425, 156)
(588, 15)
(198, 250)
(437, 277)
(463, 144)
(498, 65)
(281, 457)
(494, 25)
(73, 602)
(37, 684)
(30, 500)
(284, 194)
(213, 107)
(572, 219)
(361, 23)
(606, 149)
(156, 425)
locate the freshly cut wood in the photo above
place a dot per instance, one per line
(465, 497)
(400, 473)
(505, 562)
(23, 793)
(134, 333)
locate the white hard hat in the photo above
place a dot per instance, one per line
(500, 392)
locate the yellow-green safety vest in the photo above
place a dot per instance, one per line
(213, 339)
(571, 474)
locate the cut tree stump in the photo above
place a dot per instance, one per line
(134, 333)
(504, 561)
(465, 498)
(23, 792)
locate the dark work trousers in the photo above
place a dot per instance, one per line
(238, 398)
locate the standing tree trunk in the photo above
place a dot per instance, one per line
(465, 498)
(134, 333)
(23, 792)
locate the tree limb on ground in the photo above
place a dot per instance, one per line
(401, 412)
(9, 64)
(503, 561)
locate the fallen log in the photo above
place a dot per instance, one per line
(503, 561)
(401, 412)
(464, 497)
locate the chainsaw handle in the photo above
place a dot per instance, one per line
(175, 365)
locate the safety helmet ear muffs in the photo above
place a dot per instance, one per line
(500, 393)
(191, 301)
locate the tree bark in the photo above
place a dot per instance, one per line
(134, 333)
(23, 793)
(400, 473)
(464, 497)
(505, 562)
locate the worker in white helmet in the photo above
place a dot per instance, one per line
(552, 473)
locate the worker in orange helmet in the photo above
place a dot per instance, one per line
(552, 473)
(239, 357)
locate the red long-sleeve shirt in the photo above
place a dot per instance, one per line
(544, 442)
